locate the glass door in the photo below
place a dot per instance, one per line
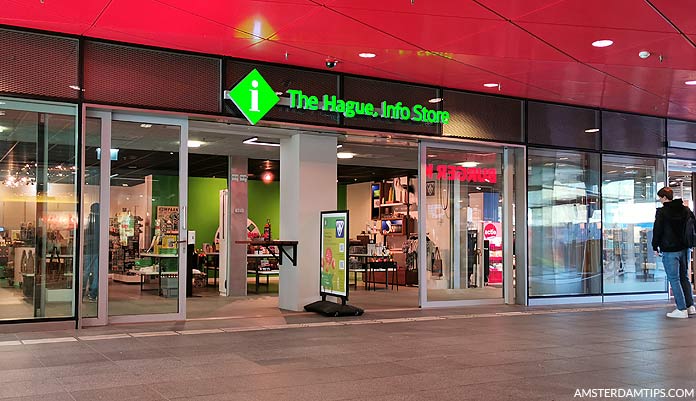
(134, 218)
(467, 218)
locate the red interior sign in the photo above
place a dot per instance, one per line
(459, 173)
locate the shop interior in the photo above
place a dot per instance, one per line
(38, 218)
(681, 180)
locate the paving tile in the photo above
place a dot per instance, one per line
(123, 393)
(52, 397)
(30, 388)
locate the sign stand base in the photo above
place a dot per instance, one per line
(328, 308)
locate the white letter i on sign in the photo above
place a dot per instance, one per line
(254, 96)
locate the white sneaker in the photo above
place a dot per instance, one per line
(678, 314)
(691, 310)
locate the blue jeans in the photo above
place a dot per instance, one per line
(676, 268)
(91, 280)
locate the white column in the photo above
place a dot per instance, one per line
(307, 187)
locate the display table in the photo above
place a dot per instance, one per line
(372, 267)
(267, 273)
(159, 273)
(212, 262)
(283, 248)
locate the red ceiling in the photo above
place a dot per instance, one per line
(539, 49)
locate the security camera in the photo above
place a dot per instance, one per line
(330, 63)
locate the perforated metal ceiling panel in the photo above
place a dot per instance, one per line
(35, 64)
(151, 78)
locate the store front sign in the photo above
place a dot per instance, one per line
(460, 173)
(351, 108)
(254, 97)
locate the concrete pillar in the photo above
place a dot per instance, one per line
(239, 196)
(307, 187)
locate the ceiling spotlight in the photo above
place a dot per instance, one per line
(345, 155)
(194, 144)
(255, 141)
(491, 85)
(603, 43)
(690, 82)
(367, 55)
(435, 100)
(267, 177)
(592, 130)
(644, 54)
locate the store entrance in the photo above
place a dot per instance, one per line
(681, 177)
(468, 196)
(134, 218)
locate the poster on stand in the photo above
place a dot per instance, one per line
(334, 253)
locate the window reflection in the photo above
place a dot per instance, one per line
(564, 217)
(629, 191)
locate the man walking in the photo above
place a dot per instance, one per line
(669, 242)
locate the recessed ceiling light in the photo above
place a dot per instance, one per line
(592, 130)
(468, 164)
(690, 82)
(603, 43)
(435, 100)
(2, 112)
(339, 146)
(671, 154)
(432, 155)
(491, 85)
(280, 93)
(367, 55)
(345, 155)
(145, 125)
(75, 87)
(194, 144)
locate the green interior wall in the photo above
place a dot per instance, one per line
(204, 207)
(342, 197)
(203, 210)
(264, 203)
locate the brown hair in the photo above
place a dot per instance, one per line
(666, 192)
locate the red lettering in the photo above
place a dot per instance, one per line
(452, 172)
(461, 173)
(429, 171)
(441, 172)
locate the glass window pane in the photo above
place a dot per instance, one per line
(629, 193)
(564, 220)
(38, 211)
(144, 219)
(464, 220)
(90, 217)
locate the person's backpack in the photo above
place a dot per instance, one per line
(690, 230)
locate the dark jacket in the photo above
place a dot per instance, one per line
(668, 230)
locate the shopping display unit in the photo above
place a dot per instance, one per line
(383, 252)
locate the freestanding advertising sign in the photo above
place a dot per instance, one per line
(334, 254)
(333, 266)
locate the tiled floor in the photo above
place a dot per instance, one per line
(475, 353)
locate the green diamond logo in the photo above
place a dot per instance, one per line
(253, 97)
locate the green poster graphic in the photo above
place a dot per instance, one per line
(334, 253)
